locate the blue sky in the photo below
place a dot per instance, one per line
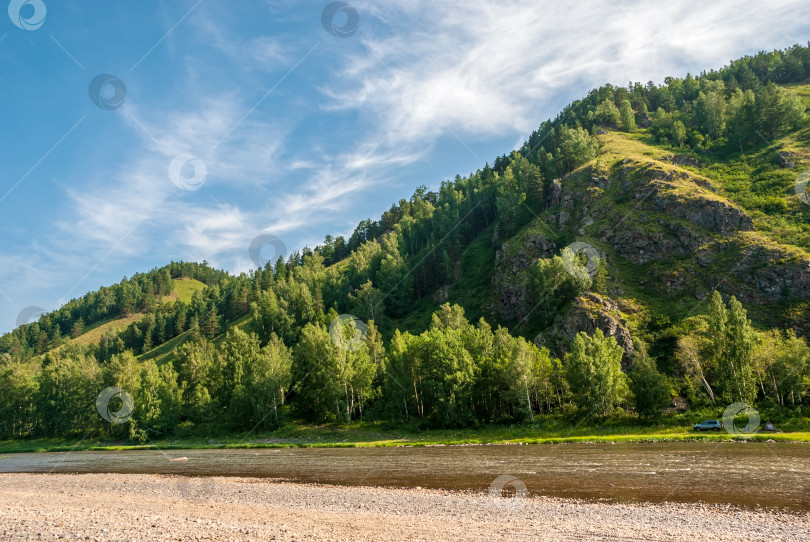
(285, 128)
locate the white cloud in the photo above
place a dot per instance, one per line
(489, 68)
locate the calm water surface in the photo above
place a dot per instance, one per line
(750, 474)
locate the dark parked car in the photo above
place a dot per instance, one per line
(708, 425)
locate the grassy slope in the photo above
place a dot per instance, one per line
(184, 288)
(94, 333)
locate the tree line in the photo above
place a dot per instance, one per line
(453, 374)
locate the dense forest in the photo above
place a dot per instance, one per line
(257, 349)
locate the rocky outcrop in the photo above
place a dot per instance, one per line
(637, 245)
(772, 274)
(589, 313)
(441, 295)
(715, 215)
(642, 243)
(786, 159)
(688, 239)
(509, 262)
(759, 273)
(699, 208)
(681, 160)
(554, 193)
(532, 247)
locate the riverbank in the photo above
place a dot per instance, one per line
(360, 435)
(154, 507)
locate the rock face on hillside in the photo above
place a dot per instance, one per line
(763, 274)
(641, 245)
(647, 211)
(512, 293)
(715, 215)
(675, 214)
(589, 313)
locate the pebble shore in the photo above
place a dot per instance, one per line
(138, 507)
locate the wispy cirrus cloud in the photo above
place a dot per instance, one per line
(485, 68)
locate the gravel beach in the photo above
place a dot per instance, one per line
(155, 507)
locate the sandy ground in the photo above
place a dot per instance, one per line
(153, 507)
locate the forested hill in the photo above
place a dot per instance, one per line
(648, 247)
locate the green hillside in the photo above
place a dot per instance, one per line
(643, 256)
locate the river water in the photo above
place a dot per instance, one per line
(740, 473)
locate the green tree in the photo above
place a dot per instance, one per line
(508, 201)
(77, 328)
(394, 278)
(650, 388)
(369, 301)
(782, 367)
(239, 353)
(576, 147)
(158, 401)
(731, 343)
(19, 389)
(594, 372)
(677, 133)
(267, 382)
(696, 367)
(320, 375)
(711, 113)
(200, 376)
(66, 396)
(554, 283)
(607, 114)
(628, 116)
